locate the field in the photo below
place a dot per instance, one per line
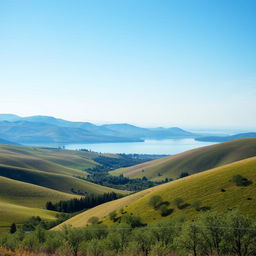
(192, 161)
(214, 188)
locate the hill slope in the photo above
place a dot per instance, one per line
(20, 201)
(227, 138)
(193, 161)
(60, 182)
(205, 186)
(31, 176)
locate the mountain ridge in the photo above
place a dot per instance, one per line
(47, 129)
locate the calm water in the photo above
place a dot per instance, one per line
(147, 147)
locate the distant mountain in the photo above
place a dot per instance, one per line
(9, 117)
(47, 129)
(227, 138)
(7, 142)
(149, 133)
(32, 132)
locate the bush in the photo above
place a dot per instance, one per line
(196, 204)
(93, 220)
(184, 174)
(178, 201)
(164, 210)
(112, 216)
(132, 220)
(13, 228)
(239, 180)
(155, 201)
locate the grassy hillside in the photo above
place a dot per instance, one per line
(193, 161)
(60, 161)
(206, 186)
(31, 176)
(20, 201)
(10, 213)
(18, 192)
(60, 182)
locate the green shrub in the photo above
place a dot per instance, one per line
(197, 204)
(93, 220)
(164, 210)
(239, 180)
(112, 216)
(178, 201)
(155, 201)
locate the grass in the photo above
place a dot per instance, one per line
(10, 213)
(204, 186)
(60, 182)
(53, 160)
(192, 161)
(20, 201)
(45, 159)
(30, 195)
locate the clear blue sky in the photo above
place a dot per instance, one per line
(151, 63)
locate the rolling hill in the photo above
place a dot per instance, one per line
(214, 188)
(60, 182)
(51, 160)
(20, 201)
(227, 138)
(31, 176)
(193, 161)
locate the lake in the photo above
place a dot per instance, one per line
(168, 147)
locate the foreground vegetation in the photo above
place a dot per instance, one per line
(211, 234)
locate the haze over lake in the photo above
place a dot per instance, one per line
(168, 147)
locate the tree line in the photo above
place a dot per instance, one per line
(79, 204)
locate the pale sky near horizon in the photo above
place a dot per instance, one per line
(151, 63)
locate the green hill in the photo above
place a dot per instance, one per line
(53, 160)
(60, 182)
(193, 161)
(31, 176)
(20, 201)
(22, 193)
(214, 188)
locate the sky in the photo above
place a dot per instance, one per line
(150, 63)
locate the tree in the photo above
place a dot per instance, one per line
(155, 201)
(240, 237)
(184, 174)
(13, 228)
(197, 204)
(112, 216)
(178, 201)
(189, 239)
(212, 233)
(239, 180)
(132, 220)
(93, 220)
(50, 206)
(164, 211)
